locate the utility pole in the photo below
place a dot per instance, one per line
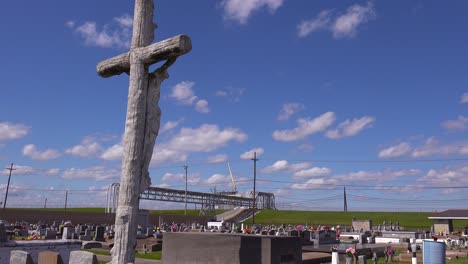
(45, 203)
(8, 184)
(255, 179)
(185, 168)
(66, 199)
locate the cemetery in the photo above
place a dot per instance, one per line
(229, 241)
(233, 236)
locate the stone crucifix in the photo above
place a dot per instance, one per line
(143, 118)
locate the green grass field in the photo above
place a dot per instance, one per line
(410, 220)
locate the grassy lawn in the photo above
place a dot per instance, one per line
(149, 255)
(411, 220)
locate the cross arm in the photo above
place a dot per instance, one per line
(160, 51)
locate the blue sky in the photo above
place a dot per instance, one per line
(371, 95)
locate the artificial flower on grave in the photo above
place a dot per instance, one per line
(334, 249)
(390, 251)
(299, 227)
(350, 252)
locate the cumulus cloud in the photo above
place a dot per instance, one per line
(314, 172)
(377, 176)
(89, 147)
(241, 10)
(305, 128)
(341, 25)
(206, 138)
(202, 106)
(10, 131)
(217, 158)
(183, 94)
(288, 110)
(320, 22)
(346, 24)
(464, 98)
(97, 173)
(350, 128)
(395, 151)
(169, 125)
(31, 151)
(116, 34)
(115, 152)
(448, 176)
(250, 154)
(458, 124)
(284, 165)
(432, 146)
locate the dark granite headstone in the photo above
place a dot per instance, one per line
(100, 233)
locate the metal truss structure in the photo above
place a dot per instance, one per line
(208, 201)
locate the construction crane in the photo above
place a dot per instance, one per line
(234, 187)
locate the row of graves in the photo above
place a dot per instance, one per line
(56, 243)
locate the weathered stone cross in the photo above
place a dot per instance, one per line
(143, 118)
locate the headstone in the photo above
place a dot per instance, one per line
(66, 233)
(294, 233)
(88, 232)
(85, 238)
(82, 257)
(3, 233)
(20, 257)
(99, 234)
(49, 257)
(50, 234)
(149, 232)
(155, 247)
(362, 259)
(335, 258)
(91, 244)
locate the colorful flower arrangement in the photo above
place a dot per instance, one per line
(350, 252)
(390, 251)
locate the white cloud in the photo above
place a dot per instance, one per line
(395, 151)
(432, 147)
(220, 158)
(448, 176)
(183, 94)
(162, 154)
(97, 173)
(341, 26)
(170, 125)
(250, 154)
(219, 179)
(19, 170)
(311, 184)
(288, 110)
(346, 25)
(206, 138)
(283, 165)
(312, 173)
(113, 153)
(114, 34)
(202, 106)
(305, 128)
(241, 10)
(89, 148)
(53, 171)
(9, 131)
(321, 22)
(179, 178)
(233, 94)
(458, 124)
(350, 128)
(31, 151)
(464, 98)
(377, 176)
